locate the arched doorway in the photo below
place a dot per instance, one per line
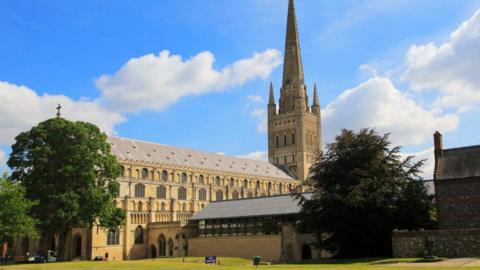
(153, 251)
(162, 244)
(184, 245)
(78, 246)
(170, 247)
(306, 252)
(52, 246)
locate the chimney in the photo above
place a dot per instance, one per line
(438, 144)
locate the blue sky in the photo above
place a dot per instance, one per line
(406, 72)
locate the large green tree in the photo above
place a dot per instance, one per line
(362, 190)
(14, 212)
(68, 169)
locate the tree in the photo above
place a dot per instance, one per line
(14, 219)
(362, 190)
(68, 168)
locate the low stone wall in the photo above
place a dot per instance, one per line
(446, 243)
(267, 246)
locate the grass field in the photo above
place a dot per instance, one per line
(242, 264)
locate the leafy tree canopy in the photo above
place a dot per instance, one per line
(14, 212)
(362, 190)
(68, 168)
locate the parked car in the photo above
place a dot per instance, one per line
(98, 258)
(40, 258)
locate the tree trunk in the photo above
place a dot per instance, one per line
(62, 243)
(4, 248)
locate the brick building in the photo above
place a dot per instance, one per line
(457, 191)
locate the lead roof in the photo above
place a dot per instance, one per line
(140, 151)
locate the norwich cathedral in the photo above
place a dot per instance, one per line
(181, 202)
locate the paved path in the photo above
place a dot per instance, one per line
(445, 263)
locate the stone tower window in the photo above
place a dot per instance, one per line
(218, 182)
(284, 140)
(277, 141)
(201, 179)
(293, 138)
(232, 182)
(245, 183)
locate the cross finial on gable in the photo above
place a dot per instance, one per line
(59, 107)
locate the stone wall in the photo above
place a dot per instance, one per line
(458, 202)
(446, 243)
(266, 246)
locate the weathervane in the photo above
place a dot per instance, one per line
(59, 107)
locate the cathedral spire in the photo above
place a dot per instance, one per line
(292, 65)
(271, 98)
(315, 96)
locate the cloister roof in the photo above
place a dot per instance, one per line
(253, 207)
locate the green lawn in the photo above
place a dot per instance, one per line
(241, 264)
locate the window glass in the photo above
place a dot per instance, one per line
(165, 176)
(183, 178)
(144, 173)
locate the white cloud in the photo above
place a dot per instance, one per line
(255, 98)
(2, 157)
(429, 163)
(153, 82)
(376, 103)
(257, 155)
(262, 117)
(22, 108)
(451, 68)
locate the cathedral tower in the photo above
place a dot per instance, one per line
(294, 130)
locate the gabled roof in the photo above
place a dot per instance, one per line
(253, 207)
(134, 150)
(459, 163)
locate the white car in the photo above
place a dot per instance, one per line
(42, 259)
